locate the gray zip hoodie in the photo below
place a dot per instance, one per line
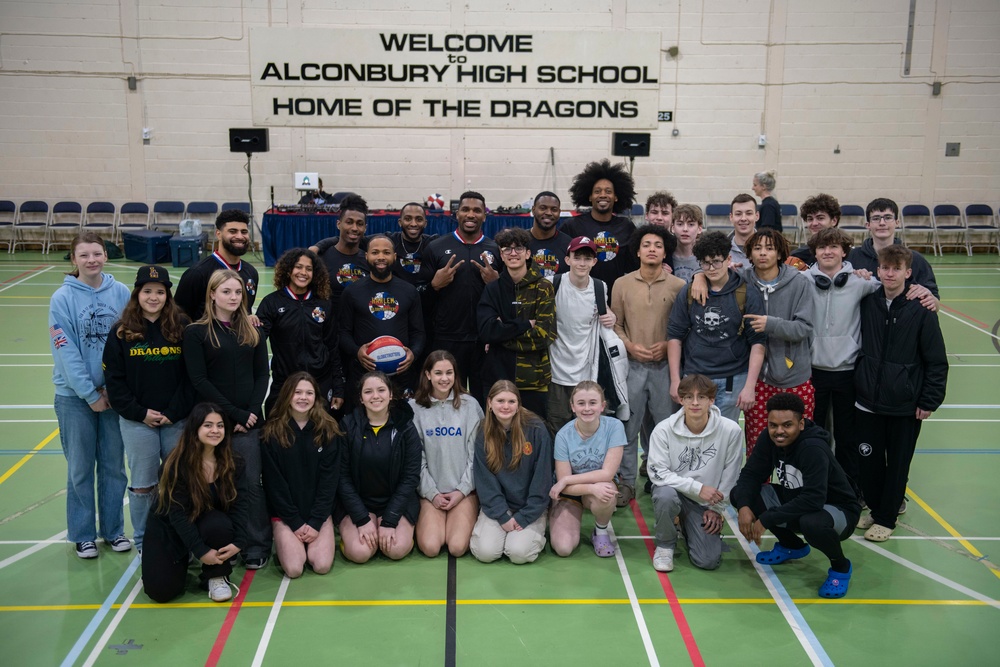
(789, 308)
(837, 319)
(449, 438)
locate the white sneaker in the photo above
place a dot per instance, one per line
(218, 589)
(663, 559)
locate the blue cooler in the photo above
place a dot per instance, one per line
(186, 250)
(147, 246)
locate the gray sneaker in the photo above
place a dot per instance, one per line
(219, 590)
(663, 559)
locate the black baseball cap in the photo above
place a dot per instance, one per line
(152, 274)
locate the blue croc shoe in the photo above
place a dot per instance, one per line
(780, 554)
(836, 583)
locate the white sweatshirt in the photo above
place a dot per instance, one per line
(449, 445)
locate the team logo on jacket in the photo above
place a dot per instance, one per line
(607, 247)
(319, 314)
(546, 261)
(789, 476)
(383, 306)
(349, 273)
(527, 448)
(865, 449)
(251, 287)
(410, 262)
(487, 257)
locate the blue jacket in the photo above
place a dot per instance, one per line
(80, 320)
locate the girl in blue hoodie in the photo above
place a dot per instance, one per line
(81, 314)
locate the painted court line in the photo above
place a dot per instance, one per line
(968, 324)
(668, 589)
(640, 620)
(28, 275)
(58, 538)
(227, 625)
(934, 576)
(27, 457)
(98, 618)
(807, 638)
(948, 527)
(99, 647)
(272, 619)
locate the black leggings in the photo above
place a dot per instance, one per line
(164, 575)
(819, 528)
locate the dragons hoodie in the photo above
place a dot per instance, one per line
(686, 461)
(80, 319)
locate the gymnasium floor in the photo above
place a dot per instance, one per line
(928, 596)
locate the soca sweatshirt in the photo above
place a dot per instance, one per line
(837, 318)
(788, 305)
(449, 438)
(80, 321)
(687, 461)
(521, 494)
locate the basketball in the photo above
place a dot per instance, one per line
(435, 202)
(387, 353)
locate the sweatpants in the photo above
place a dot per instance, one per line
(885, 447)
(704, 550)
(824, 529)
(648, 393)
(164, 574)
(835, 395)
(258, 529)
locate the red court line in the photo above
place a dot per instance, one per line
(227, 625)
(668, 590)
(40, 266)
(968, 317)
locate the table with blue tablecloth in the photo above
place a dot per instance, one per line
(282, 231)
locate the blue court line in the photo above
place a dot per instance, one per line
(95, 622)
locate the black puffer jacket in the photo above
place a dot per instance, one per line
(903, 363)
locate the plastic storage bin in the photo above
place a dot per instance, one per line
(186, 250)
(147, 246)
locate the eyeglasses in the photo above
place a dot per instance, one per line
(513, 250)
(714, 264)
(889, 217)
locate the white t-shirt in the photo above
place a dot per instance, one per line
(588, 455)
(572, 353)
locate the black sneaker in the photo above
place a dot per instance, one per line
(256, 563)
(86, 549)
(902, 507)
(119, 544)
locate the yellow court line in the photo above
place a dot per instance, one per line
(568, 602)
(951, 531)
(26, 457)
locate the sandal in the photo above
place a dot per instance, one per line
(780, 554)
(866, 521)
(878, 533)
(836, 583)
(625, 494)
(602, 545)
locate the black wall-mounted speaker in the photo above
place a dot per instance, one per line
(630, 144)
(249, 140)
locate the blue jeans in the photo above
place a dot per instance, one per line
(145, 448)
(725, 399)
(92, 442)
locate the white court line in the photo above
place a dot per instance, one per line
(962, 421)
(28, 421)
(37, 273)
(955, 586)
(24, 305)
(634, 602)
(25, 354)
(962, 354)
(99, 648)
(272, 619)
(26, 407)
(796, 622)
(2, 542)
(58, 538)
(968, 406)
(968, 324)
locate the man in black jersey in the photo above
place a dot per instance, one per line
(342, 255)
(548, 245)
(232, 231)
(379, 304)
(463, 261)
(608, 189)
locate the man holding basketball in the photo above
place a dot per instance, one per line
(379, 304)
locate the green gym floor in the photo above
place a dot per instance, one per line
(930, 595)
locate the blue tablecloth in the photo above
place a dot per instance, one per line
(282, 231)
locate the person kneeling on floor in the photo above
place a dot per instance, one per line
(813, 494)
(694, 460)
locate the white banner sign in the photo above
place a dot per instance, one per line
(395, 78)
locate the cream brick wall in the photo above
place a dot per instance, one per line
(811, 74)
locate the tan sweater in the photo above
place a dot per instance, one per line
(643, 309)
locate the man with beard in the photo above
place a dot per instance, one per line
(380, 304)
(464, 262)
(548, 245)
(343, 256)
(232, 231)
(608, 189)
(410, 244)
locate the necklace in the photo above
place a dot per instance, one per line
(402, 240)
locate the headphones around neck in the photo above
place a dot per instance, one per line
(823, 282)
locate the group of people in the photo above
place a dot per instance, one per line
(535, 365)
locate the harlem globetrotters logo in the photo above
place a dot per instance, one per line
(607, 247)
(383, 306)
(410, 262)
(547, 262)
(349, 273)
